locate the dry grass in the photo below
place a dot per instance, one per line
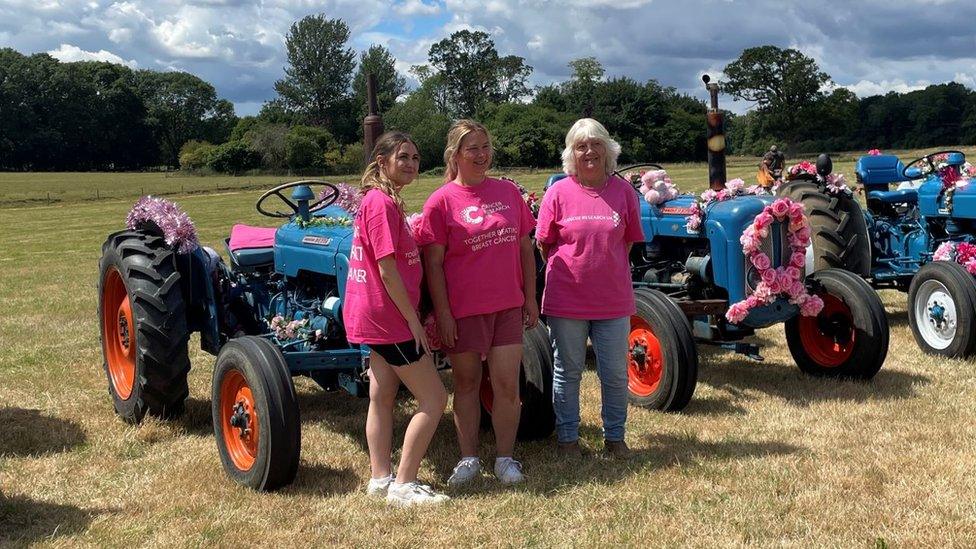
(762, 456)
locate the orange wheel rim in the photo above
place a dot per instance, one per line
(239, 420)
(645, 361)
(829, 337)
(118, 333)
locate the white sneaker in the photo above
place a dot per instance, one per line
(508, 470)
(379, 486)
(465, 471)
(413, 493)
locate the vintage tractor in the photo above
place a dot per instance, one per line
(272, 313)
(686, 279)
(895, 243)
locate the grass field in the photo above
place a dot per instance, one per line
(763, 455)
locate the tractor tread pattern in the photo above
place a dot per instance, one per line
(149, 270)
(837, 226)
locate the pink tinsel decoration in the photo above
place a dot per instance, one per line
(158, 213)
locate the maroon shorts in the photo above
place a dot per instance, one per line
(479, 333)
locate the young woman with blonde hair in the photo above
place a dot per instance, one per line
(380, 310)
(481, 274)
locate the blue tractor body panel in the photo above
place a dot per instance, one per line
(931, 200)
(312, 249)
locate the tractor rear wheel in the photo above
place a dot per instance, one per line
(537, 420)
(143, 328)
(662, 367)
(255, 414)
(849, 337)
(838, 230)
(942, 309)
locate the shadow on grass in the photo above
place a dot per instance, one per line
(738, 375)
(24, 521)
(31, 432)
(319, 480)
(197, 418)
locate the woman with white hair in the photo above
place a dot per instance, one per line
(587, 224)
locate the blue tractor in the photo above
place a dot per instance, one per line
(685, 281)
(893, 243)
(272, 313)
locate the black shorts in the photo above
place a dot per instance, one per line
(398, 354)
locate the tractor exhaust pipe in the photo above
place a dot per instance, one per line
(373, 122)
(716, 138)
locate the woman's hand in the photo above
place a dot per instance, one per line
(447, 328)
(419, 335)
(530, 314)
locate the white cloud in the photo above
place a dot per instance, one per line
(867, 88)
(416, 7)
(68, 53)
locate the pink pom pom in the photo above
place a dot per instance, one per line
(652, 197)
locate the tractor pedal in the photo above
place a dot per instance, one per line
(750, 350)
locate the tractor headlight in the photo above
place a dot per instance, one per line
(753, 278)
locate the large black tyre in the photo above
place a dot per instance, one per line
(838, 229)
(662, 367)
(942, 309)
(142, 318)
(537, 419)
(849, 338)
(253, 391)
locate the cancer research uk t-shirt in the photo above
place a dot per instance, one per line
(589, 230)
(368, 311)
(480, 227)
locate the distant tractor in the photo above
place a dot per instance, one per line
(896, 241)
(274, 312)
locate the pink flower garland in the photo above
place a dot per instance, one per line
(734, 188)
(158, 213)
(962, 253)
(784, 280)
(802, 168)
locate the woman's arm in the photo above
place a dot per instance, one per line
(398, 293)
(530, 308)
(437, 284)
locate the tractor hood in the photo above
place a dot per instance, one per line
(314, 248)
(931, 200)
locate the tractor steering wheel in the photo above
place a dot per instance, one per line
(927, 160)
(620, 172)
(330, 197)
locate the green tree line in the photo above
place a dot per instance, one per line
(102, 116)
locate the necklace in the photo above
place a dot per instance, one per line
(595, 191)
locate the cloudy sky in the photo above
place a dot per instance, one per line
(870, 46)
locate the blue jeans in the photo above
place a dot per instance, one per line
(609, 338)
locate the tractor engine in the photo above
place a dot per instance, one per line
(309, 309)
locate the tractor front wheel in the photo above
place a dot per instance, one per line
(142, 319)
(255, 414)
(537, 419)
(942, 309)
(662, 365)
(849, 337)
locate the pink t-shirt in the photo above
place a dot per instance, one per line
(480, 227)
(588, 231)
(368, 311)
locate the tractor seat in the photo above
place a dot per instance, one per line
(251, 246)
(903, 196)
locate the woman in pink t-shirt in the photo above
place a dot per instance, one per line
(587, 223)
(481, 274)
(379, 310)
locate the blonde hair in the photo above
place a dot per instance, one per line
(587, 128)
(458, 131)
(374, 177)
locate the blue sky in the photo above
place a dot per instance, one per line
(868, 46)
